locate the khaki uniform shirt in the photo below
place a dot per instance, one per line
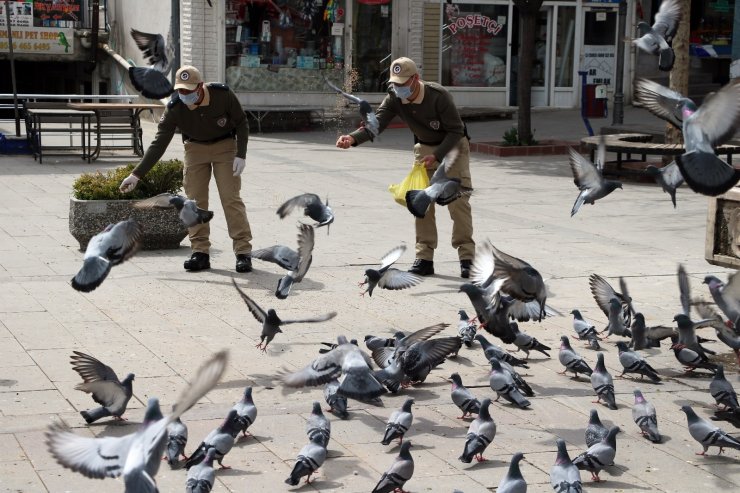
(219, 114)
(432, 117)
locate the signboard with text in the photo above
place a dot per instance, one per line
(21, 14)
(39, 40)
(599, 61)
(43, 13)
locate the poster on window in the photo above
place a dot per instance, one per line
(57, 13)
(21, 14)
(599, 62)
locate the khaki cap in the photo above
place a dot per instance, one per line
(401, 69)
(188, 77)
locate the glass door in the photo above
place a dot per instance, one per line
(541, 68)
(599, 45)
(371, 44)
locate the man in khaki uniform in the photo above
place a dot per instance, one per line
(431, 114)
(215, 132)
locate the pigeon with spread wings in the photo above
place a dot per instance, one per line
(369, 120)
(589, 178)
(103, 384)
(312, 207)
(152, 81)
(656, 39)
(189, 212)
(387, 278)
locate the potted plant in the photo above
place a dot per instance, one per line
(96, 203)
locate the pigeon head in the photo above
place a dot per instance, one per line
(576, 314)
(714, 283)
(230, 418)
(484, 413)
(688, 108)
(639, 399)
(343, 340)
(719, 371)
(495, 364)
(564, 342)
(600, 367)
(247, 394)
(153, 412)
(372, 275)
(683, 321)
(317, 409)
(611, 437)
(652, 170)
(463, 315)
(399, 335)
(639, 318)
(456, 380)
(563, 457)
(514, 471)
(407, 405)
(622, 346)
(177, 201)
(126, 382)
(469, 289)
(593, 418)
(690, 414)
(404, 453)
(484, 342)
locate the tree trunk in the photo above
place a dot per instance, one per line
(528, 10)
(679, 76)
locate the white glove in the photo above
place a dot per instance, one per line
(129, 183)
(239, 165)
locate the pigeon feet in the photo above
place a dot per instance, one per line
(480, 458)
(120, 418)
(595, 478)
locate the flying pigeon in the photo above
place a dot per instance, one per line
(644, 416)
(726, 296)
(513, 481)
(632, 362)
(337, 403)
(589, 178)
(369, 120)
(726, 331)
(656, 40)
(595, 431)
(707, 434)
(599, 455)
(602, 383)
(481, 432)
(564, 476)
(246, 411)
(400, 471)
(270, 321)
(722, 390)
(398, 423)
(466, 329)
(152, 81)
(603, 293)
(374, 342)
(312, 207)
(668, 177)
(616, 323)
(389, 278)
(703, 129)
(189, 212)
(115, 244)
(571, 360)
(221, 439)
(177, 438)
(310, 458)
(318, 425)
(202, 476)
(521, 281)
(442, 189)
(103, 384)
(305, 256)
(503, 384)
(527, 343)
(463, 398)
(136, 456)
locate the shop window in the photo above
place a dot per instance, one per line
(566, 23)
(284, 45)
(371, 44)
(474, 45)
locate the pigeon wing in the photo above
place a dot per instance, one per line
(321, 370)
(585, 174)
(684, 289)
(352, 98)
(151, 83)
(92, 457)
(390, 258)
(153, 47)
(253, 307)
(161, 201)
(603, 292)
(422, 334)
(667, 18)
(302, 200)
(92, 369)
(719, 116)
(399, 279)
(305, 249)
(661, 101)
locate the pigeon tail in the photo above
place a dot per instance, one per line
(418, 202)
(359, 384)
(204, 216)
(706, 173)
(283, 287)
(92, 415)
(666, 59)
(93, 273)
(150, 83)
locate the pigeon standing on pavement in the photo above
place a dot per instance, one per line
(493, 351)
(312, 207)
(564, 476)
(722, 391)
(152, 82)
(398, 423)
(668, 177)
(691, 359)
(177, 438)
(599, 455)
(463, 398)
(189, 212)
(503, 384)
(270, 321)
(310, 458)
(400, 471)
(115, 244)
(644, 416)
(632, 362)
(246, 411)
(595, 431)
(386, 277)
(703, 129)
(481, 433)
(369, 119)
(337, 403)
(656, 39)
(305, 257)
(99, 380)
(442, 189)
(202, 476)
(466, 329)
(527, 343)
(221, 439)
(602, 383)
(318, 425)
(589, 178)
(707, 434)
(513, 481)
(571, 360)
(585, 330)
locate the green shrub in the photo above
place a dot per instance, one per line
(511, 138)
(165, 176)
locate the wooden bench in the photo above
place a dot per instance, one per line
(260, 112)
(46, 120)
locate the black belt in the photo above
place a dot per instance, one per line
(187, 138)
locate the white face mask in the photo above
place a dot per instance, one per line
(191, 98)
(403, 92)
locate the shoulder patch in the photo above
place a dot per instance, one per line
(218, 85)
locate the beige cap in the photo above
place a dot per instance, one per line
(188, 77)
(401, 69)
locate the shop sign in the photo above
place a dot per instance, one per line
(598, 62)
(21, 14)
(39, 40)
(474, 20)
(43, 13)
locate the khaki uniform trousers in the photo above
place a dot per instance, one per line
(460, 211)
(200, 160)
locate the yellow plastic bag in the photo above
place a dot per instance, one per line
(417, 179)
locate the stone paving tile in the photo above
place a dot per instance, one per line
(19, 476)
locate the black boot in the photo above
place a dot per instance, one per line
(422, 267)
(465, 266)
(198, 261)
(243, 263)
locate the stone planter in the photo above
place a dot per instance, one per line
(162, 227)
(722, 243)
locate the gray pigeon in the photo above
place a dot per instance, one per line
(152, 82)
(463, 398)
(337, 403)
(318, 425)
(346, 360)
(284, 256)
(310, 458)
(640, 331)
(466, 329)
(374, 342)
(503, 384)
(643, 414)
(270, 321)
(387, 278)
(602, 383)
(202, 476)
(421, 357)
(521, 281)
(527, 343)
(726, 296)
(726, 331)
(115, 244)
(564, 476)
(442, 189)
(722, 390)
(177, 438)
(707, 434)
(599, 455)
(369, 119)
(305, 256)
(595, 431)
(632, 362)
(703, 129)
(400, 471)
(513, 481)
(189, 212)
(246, 411)
(691, 359)
(520, 383)
(668, 177)
(687, 333)
(585, 330)
(493, 351)
(656, 40)
(589, 178)
(221, 439)
(571, 360)
(481, 432)
(603, 292)
(616, 323)
(136, 456)
(99, 380)
(398, 423)
(312, 207)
